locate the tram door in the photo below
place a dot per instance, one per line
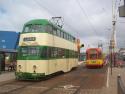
(52, 63)
(67, 61)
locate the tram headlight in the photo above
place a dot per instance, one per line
(34, 68)
(19, 66)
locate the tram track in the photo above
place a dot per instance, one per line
(68, 85)
(7, 88)
(73, 82)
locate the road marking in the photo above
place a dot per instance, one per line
(107, 83)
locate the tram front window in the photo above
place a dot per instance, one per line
(34, 28)
(30, 51)
(93, 56)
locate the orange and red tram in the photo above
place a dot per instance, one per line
(94, 57)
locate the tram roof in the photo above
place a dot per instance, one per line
(98, 49)
(38, 21)
(44, 22)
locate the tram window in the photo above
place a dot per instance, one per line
(49, 29)
(24, 51)
(26, 29)
(61, 53)
(55, 31)
(100, 56)
(67, 53)
(33, 51)
(43, 53)
(74, 39)
(70, 54)
(67, 36)
(93, 56)
(76, 54)
(55, 52)
(34, 28)
(61, 34)
(64, 35)
(49, 52)
(52, 55)
(58, 33)
(71, 38)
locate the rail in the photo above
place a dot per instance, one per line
(120, 87)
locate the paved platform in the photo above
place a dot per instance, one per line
(111, 84)
(5, 76)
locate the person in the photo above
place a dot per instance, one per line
(11, 66)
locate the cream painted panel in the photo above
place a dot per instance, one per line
(52, 66)
(61, 65)
(22, 63)
(59, 42)
(41, 66)
(48, 40)
(41, 39)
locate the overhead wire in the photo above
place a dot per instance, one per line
(85, 14)
(53, 14)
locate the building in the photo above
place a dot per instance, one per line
(8, 39)
(8, 45)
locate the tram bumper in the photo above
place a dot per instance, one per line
(29, 76)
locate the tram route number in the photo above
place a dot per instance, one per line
(29, 39)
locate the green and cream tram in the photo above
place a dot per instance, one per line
(45, 49)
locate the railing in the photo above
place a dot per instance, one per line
(120, 87)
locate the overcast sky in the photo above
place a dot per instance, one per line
(89, 20)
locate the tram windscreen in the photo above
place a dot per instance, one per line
(93, 54)
(27, 51)
(34, 28)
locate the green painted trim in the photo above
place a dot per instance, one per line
(46, 33)
(68, 54)
(29, 76)
(37, 21)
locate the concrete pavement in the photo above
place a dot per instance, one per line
(5, 76)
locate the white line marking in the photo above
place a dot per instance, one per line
(107, 83)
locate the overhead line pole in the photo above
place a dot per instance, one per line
(113, 39)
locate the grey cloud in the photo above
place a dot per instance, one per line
(90, 23)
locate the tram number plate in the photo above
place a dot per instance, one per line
(93, 61)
